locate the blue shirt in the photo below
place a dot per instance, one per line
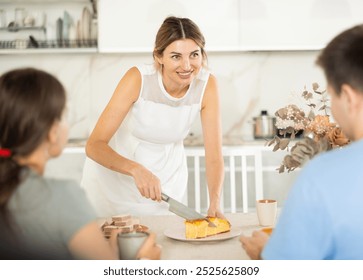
(323, 215)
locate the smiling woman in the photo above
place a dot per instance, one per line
(136, 148)
(180, 63)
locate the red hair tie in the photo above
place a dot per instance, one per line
(5, 153)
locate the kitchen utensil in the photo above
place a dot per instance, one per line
(94, 29)
(19, 17)
(79, 33)
(33, 42)
(67, 21)
(94, 8)
(183, 211)
(86, 25)
(264, 126)
(73, 35)
(40, 18)
(2, 18)
(29, 21)
(59, 31)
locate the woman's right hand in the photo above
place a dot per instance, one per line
(147, 183)
(150, 250)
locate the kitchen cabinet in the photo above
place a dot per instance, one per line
(229, 25)
(48, 26)
(295, 25)
(131, 26)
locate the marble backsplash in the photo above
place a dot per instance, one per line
(248, 81)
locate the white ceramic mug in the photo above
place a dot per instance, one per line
(266, 211)
(129, 244)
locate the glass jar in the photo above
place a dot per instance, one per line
(19, 17)
(2, 18)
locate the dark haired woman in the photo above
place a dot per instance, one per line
(42, 218)
(136, 149)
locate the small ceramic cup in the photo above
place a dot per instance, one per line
(266, 212)
(129, 244)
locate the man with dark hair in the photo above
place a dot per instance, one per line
(322, 217)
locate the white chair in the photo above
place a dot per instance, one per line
(243, 168)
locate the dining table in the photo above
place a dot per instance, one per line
(175, 248)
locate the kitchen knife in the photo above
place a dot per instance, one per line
(183, 211)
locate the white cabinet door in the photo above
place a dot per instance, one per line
(131, 25)
(295, 24)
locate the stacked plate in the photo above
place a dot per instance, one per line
(67, 22)
(59, 32)
(85, 27)
(69, 34)
(65, 32)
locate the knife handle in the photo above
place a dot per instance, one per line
(164, 197)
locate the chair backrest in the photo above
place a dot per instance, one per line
(243, 174)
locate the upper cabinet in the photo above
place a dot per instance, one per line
(295, 25)
(229, 25)
(48, 26)
(131, 26)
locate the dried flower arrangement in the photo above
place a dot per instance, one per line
(320, 134)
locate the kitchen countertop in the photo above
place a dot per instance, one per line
(78, 145)
(229, 249)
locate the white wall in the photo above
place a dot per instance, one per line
(269, 78)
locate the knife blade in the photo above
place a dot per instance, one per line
(183, 211)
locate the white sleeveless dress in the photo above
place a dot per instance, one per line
(152, 134)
